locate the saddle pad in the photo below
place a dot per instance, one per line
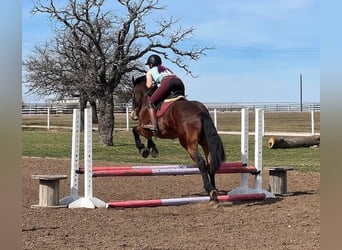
(166, 104)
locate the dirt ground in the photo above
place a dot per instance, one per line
(287, 222)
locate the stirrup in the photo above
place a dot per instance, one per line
(150, 127)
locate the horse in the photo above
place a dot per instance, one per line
(190, 122)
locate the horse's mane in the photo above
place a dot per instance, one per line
(139, 80)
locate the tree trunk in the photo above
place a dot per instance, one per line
(94, 112)
(295, 142)
(83, 105)
(106, 119)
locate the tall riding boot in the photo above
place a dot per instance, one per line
(153, 125)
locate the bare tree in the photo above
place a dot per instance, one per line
(58, 68)
(108, 46)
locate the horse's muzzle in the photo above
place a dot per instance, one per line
(134, 115)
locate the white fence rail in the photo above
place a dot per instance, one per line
(215, 109)
(66, 108)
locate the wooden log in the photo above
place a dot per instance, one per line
(293, 142)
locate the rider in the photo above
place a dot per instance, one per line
(166, 80)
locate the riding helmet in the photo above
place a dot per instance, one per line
(155, 60)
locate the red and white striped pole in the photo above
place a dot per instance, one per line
(182, 201)
(167, 171)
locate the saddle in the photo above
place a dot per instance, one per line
(163, 106)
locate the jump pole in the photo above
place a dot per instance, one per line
(224, 165)
(182, 201)
(168, 171)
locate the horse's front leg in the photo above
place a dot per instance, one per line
(140, 146)
(152, 147)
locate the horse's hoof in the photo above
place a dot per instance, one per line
(154, 152)
(145, 152)
(213, 195)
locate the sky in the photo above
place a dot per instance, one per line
(261, 47)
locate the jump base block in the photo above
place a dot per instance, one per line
(278, 180)
(49, 191)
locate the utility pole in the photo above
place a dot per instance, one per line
(301, 92)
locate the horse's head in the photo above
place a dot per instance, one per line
(139, 95)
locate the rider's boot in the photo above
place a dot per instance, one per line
(153, 118)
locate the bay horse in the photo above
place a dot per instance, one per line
(190, 122)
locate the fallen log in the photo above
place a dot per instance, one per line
(294, 142)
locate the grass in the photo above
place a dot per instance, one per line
(42, 143)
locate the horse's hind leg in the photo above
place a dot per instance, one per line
(192, 147)
(207, 156)
(208, 185)
(208, 167)
(212, 180)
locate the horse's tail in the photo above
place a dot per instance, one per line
(216, 149)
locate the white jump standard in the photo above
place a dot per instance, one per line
(74, 200)
(244, 188)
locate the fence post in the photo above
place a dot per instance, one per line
(215, 118)
(263, 123)
(312, 122)
(48, 118)
(127, 117)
